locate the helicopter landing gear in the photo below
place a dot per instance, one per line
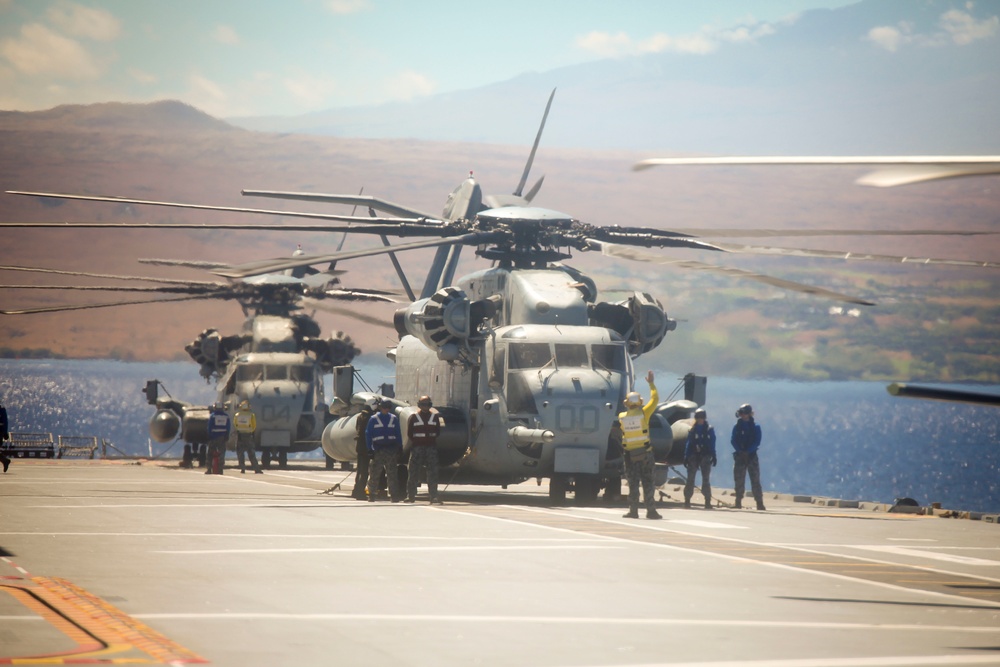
(330, 463)
(268, 454)
(584, 487)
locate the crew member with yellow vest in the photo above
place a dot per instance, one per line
(638, 456)
(246, 426)
(423, 428)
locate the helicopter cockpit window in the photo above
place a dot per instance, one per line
(301, 373)
(251, 373)
(520, 400)
(609, 357)
(277, 372)
(528, 355)
(571, 354)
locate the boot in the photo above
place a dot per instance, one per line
(631, 514)
(739, 503)
(708, 504)
(687, 504)
(760, 506)
(653, 514)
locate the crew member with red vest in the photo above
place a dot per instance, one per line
(423, 429)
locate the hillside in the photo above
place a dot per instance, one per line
(166, 152)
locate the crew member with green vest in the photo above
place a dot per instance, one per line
(639, 461)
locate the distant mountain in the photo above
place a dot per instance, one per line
(166, 115)
(926, 81)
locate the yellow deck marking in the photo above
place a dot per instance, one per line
(103, 633)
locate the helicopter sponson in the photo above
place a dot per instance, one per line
(173, 416)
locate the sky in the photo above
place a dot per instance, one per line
(233, 58)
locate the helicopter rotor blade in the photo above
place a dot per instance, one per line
(838, 254)
(534, 149)
(626, 252)
(270, 266)
(61, 309)
(897, 169)
(356, 200)
(770, 233)
(361, 317)
(204, 207)
(169, 281)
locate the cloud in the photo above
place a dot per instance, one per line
(142, 76)
(347, 6)
(225, 34)
(887, 37)
(707, 40)
(79, 21)
(408, 84)
(314, 92)
(964, 29)
(39, 50)
(957, 27)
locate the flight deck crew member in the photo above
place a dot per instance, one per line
(746, 441)
(385, 442)
(246, 426)
(4, 437)
(699, 454)
(219, 426)
(639, 461)
(423, 428)
(361, 449)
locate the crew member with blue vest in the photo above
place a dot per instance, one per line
(219, 426)
(385, 442)
(699, 454)
(746, 441)
(639, 461)
(423, 428)
(4, 437)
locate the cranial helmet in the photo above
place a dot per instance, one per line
(700, 412)
(424, 401)
(244, 404)
(633, 399)
(745, 409)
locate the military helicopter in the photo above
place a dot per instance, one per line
(526, 365)
(276, 363)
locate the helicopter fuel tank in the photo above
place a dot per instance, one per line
(340, 436)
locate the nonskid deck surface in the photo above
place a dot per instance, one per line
(126, 563)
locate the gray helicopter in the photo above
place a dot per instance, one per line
(525, 363)
(276, 363)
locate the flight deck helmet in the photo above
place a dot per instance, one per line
(745, 409)
(700, 412)
(424, 402)
(633, 400)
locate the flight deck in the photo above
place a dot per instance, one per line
(145, 563)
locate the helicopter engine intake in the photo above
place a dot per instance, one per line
(640, 318)
(444, 322)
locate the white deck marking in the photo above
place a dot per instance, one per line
(708, 524)
(384, 549)
(926, 553)
(578, 620)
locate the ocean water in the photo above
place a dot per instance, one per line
(839, 439)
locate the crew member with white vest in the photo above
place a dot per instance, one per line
(385, 442)
(639, 461)
(423, 429)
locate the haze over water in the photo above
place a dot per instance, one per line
(847, 440)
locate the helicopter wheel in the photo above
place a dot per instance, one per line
(558, 486)
(265, 458)
(330, 463)
(586, 488)
(282, 459)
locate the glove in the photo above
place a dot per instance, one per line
(714, 461)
